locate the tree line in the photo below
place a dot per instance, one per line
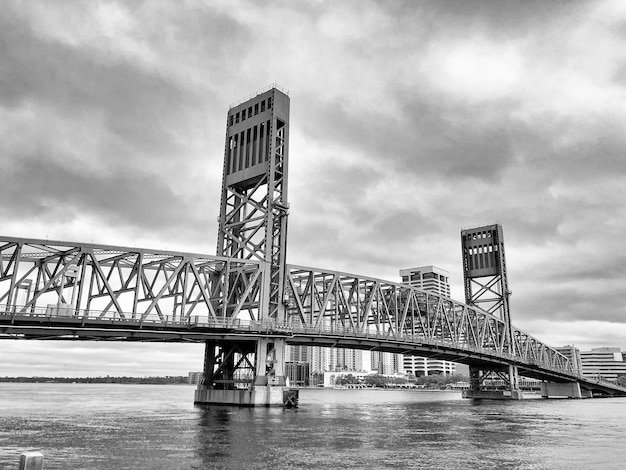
(379, 380)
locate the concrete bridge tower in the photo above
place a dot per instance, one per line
(253, 226)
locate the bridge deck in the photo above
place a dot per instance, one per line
(61, 290)
(86, 327)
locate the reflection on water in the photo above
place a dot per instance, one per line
(103, 426)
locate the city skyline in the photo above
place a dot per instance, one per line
(409, 122)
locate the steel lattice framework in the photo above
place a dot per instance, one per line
(246, 304)
(60, 290)
(125, 283)
(486, 285)
(60, 279)
(254, 207)
(341, 303)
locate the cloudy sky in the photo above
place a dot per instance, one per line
(410, 120)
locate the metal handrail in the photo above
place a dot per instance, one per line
(262, 90)
(266, 326)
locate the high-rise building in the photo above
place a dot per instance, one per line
(436, 280)
(428, 278)
(334, 359)
(386, 363)
(603, 363)
(573, 354)
(297, 353)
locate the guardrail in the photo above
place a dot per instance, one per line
(85, 318)
(258, 92)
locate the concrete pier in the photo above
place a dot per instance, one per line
(245, 373)
(494, 394)
(563, 390)
(31, 461)
(257, 396)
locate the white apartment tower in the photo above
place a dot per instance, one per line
(428, 278)
(436, 280)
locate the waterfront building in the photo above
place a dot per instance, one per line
(385, 363)
(420, 366)
(603, 363)
(195, 378)
(573, 354)
(329, 378)
(297, 353)
(297, 373)
(428, 278)
(436, 280)
(334, 359)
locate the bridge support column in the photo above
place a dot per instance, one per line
(493, 385)
(245, 373)
(561, 390)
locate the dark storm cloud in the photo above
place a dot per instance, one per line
(410, 120)
(40, 188)
(429, 137)
(138, 106)
(338, 184)
(566, 303)
(501, 18)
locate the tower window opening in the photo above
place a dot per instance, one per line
(248, 148)
(262, 105)
(261, 141)
(256, 109)
(255, 145)
(237, 118)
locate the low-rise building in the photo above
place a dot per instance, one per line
(603, 363)
(573, 355)
(420, 366)
(195, 378)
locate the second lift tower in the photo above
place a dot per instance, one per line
(486, 287)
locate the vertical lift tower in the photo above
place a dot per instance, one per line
(253, 226)
(486, 287)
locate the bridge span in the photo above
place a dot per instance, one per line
(51, 290)
(246, 304)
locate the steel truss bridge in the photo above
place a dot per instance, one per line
(246, 304)
(53, 290)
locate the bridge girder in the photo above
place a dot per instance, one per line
(56, 282)
(337, 302)
(39, 276)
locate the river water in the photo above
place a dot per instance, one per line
(110, 426)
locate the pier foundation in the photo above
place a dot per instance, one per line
(31, 461)
(494, 394)
(245, 373)
(494, 385)
(563, 390)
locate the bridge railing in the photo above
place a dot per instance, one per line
(50, 316)
(115, 280)
(63, 318)
(408, 339)
(316, 297)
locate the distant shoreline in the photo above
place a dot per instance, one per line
(401, 389)
(168, 380)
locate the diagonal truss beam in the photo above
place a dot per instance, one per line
(124, 283)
